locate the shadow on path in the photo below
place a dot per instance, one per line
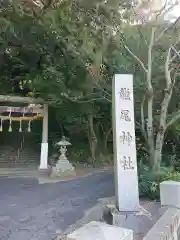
(39, 212)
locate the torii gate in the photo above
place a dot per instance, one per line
(44, 113)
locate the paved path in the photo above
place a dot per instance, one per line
(29, 211)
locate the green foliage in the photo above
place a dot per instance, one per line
(68, 53)
(79, 152)
(176, 163)
(60, 51)
(149, 181)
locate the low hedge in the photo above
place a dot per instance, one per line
(149, 181)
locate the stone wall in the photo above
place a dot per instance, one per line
(166, 227)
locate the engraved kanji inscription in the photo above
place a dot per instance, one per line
(126, 138)
(125, 115)
(125, 94)
(127, 163)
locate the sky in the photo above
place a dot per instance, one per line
(175, 12)
(157, 5)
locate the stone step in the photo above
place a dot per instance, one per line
(10, 155)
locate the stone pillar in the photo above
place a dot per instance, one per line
(44, 144)
(175, 235)
(124, 142)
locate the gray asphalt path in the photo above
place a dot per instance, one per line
(29, 211)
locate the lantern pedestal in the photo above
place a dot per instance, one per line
(63, 168)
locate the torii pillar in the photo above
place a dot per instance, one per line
(44, 144)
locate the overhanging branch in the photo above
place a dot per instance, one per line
(136, 58)
(18, 99)
(177, 53)
(173, 120)
(83, 100)
(167, 29)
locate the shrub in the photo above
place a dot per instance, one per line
(149, 181)
(78, 152)
(176, 163)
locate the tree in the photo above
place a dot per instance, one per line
(58, 49)
(162, 55)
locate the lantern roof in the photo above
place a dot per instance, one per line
(63, 142)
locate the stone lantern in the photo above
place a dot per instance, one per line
(63, 166)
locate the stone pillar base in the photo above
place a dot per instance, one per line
(63, 168)
(45, 171)
(137, 221)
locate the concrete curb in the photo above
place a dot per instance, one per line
(93, 214)
(56, 180)
(47, 180)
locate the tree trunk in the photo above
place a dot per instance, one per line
(150, 92)
(163, 116)
(158, 151)
(150, 130)
(106, 137)
(161, 132)
(92, 137)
